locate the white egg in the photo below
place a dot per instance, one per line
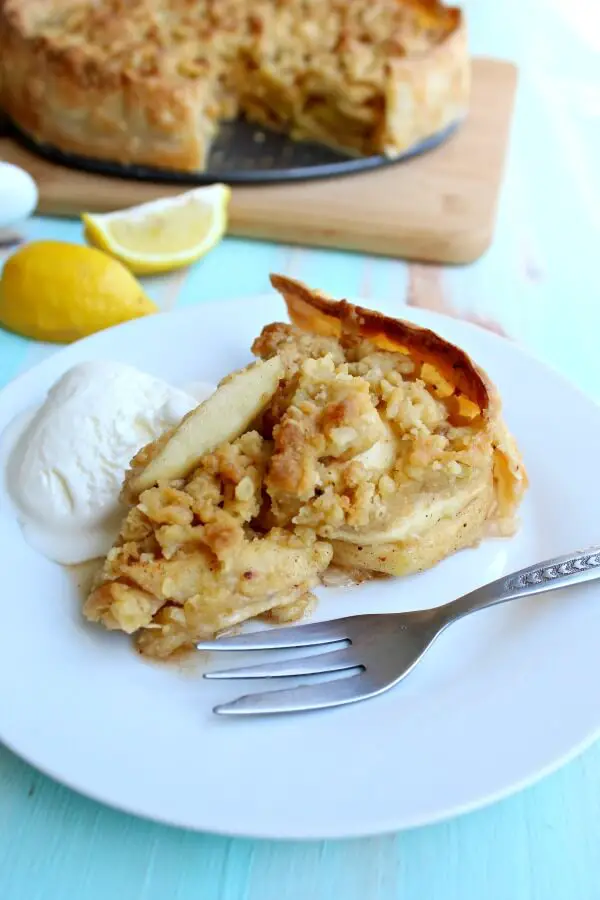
(18, 195)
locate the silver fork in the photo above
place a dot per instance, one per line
(380, 650)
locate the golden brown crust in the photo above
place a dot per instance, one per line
(315, 312)
(426, 95)
(111, 80)
(67, 97)
(475, 397)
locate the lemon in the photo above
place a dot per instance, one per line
(55, 291)
(164, 234)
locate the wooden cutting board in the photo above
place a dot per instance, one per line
(440, 207)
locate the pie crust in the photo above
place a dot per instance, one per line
(149, 81)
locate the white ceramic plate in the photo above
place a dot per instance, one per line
(502, 698)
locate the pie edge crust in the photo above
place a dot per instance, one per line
(130, 120)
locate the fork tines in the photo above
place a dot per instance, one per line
(306, 697)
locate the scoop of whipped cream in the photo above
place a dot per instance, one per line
(66, 467)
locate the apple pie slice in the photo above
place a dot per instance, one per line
(356, 441)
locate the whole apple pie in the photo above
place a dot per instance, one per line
(356, 443)
(149, 81)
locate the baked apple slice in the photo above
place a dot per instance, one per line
(222, 417)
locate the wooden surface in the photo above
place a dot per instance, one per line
(439, 207)
(539, 284)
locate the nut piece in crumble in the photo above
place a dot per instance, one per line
(380, 450)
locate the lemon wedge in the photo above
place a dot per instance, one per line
(164, 234)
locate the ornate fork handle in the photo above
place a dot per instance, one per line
(563, 571)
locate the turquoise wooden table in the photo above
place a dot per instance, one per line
(538, 284)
